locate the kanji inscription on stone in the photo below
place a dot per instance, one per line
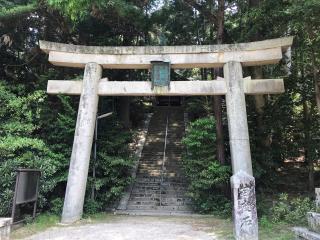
(244, 209)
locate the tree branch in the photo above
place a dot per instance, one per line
(211, 17)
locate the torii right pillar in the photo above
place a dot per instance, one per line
(242, 182)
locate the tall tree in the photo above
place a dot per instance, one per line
(217, 101)
(214, 13)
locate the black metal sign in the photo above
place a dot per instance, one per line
(26, 190)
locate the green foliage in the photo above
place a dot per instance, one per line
(78, 10)
(206, 176)
(10, 9)
(56, 206)
(291, 210)
(199, 107)
(24, 143)
(112, 178)
(18, 149)
(92, 206)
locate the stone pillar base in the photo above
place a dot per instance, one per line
(5, 228)
(317, 192)
(245, 218)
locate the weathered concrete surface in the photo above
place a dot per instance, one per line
(250, 54)
(182, 60)
(140, 88)
(191, 88)
(314, 221)
(82, 145)
(304, 234)
(237, 118)
(245, 218)
(263, 86)
(143, 228)
(284, 43)
(5, 228)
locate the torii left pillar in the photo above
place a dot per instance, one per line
(82, 144)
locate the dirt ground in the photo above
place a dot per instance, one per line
(138, 228)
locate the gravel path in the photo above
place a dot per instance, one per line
(134, 228)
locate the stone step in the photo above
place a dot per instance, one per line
(161, 181)
(155, 213)
(148, 170)
(164, 199)
(144, 203)
(163, 191)
(148, 188)
(153, 196)
(159, 188)
(154, 159)
(314, 221)
(158, 179)
(164, 175)
(174, 146)
(305, 234)
(165, 184)
(152, 164)
(165, 170)
(159, 169)
(171, 187)
(158, 160)
(156, 194)
(157, 164)
(165, 208)
(157, 202)
(153, 150)
(153, 193)
(151, 154)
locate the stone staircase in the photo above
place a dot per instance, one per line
(160, 186)
(312, 232)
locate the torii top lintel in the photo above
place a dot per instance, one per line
(192, 56)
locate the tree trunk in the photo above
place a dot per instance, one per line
(217, 106)
(307, 141)
(316, 79)
(124, 111)
(257, 71)
(259, 99)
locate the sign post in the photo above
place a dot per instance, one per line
(26, 190)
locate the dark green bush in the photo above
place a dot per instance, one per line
(19, 148)
(56, 206)
(207, 177)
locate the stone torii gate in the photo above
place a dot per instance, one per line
(232, 57)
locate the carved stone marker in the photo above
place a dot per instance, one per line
(244, 207)
(317, 191)
(5, 228)
(314, 221)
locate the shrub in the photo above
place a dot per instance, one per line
(291, 210)
(56, 206)
(207, 177)
(20, 148)
(37, 131)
